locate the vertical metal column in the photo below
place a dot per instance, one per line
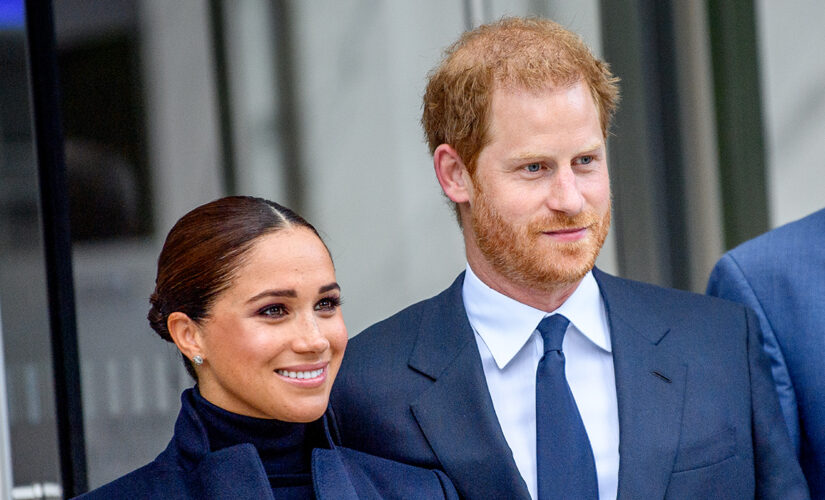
(646, 151)
(284, 52)
(216, 22)
(476, 13)
(5, 439)
(55, 212)
(739, 118)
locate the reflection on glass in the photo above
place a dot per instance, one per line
(24, 324)
(130, 379)
(102, 122)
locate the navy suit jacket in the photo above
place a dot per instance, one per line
(781, 276)
(187, 469)
(698, 414)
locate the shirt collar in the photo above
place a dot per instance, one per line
(505, 324)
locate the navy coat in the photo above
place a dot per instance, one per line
(781, 276)
(187, 469)
(698, 414)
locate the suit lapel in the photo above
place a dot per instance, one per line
(650, 386)
(457, 417)
(456, 413)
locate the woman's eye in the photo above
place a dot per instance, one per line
(533, 167)
(328, 304)
(274, 311)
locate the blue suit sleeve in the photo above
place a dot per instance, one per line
(727, 281)
(777, 471)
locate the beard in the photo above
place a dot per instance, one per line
(525, 256)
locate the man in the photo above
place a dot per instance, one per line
(671, 392)
(781, 276)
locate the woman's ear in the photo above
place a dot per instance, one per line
(186, 334)
(452, 174)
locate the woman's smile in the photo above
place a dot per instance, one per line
(305, 376)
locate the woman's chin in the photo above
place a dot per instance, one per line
(301, 409)
(304, 416)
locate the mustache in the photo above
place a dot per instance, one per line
(561, 222)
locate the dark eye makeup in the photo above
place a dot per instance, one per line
(329, 303)
(273, 311)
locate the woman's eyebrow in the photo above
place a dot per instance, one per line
(274, 293)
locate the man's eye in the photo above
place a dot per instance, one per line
(533, 167)
(586, 160)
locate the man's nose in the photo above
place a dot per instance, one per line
(564, 194)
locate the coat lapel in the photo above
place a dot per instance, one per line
(234, 472)
(336, 484)
(456, 413)
(650, 386)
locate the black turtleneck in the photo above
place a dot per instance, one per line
(285, 448)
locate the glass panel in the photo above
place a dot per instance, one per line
(131, 379)
(794, 105)
(141, 149)
(29, 423)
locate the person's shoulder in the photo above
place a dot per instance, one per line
(812, 225)
(389, 478)
(692, 320)
(629, 292)
(401, 327)
(801, 234)
(788, 256)
(155, 480)
(691, 316)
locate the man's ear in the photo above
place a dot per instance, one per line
(186, 334)
(452, 174)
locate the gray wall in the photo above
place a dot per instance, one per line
(793, 88)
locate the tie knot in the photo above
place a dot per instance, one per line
(552, 329)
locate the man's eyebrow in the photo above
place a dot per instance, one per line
(528, 155)
(592, 148)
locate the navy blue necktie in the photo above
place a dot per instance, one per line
(565, 465)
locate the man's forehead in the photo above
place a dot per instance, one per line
(517, 82)
(515, 88)
(501, 94)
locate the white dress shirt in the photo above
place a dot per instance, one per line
(511, 347)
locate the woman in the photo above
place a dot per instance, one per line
(246, 290)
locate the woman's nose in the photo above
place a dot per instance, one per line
(310, 338)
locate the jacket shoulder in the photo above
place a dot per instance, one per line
(779, 271)
(399, 331)
(803, 238)
(622, 294)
